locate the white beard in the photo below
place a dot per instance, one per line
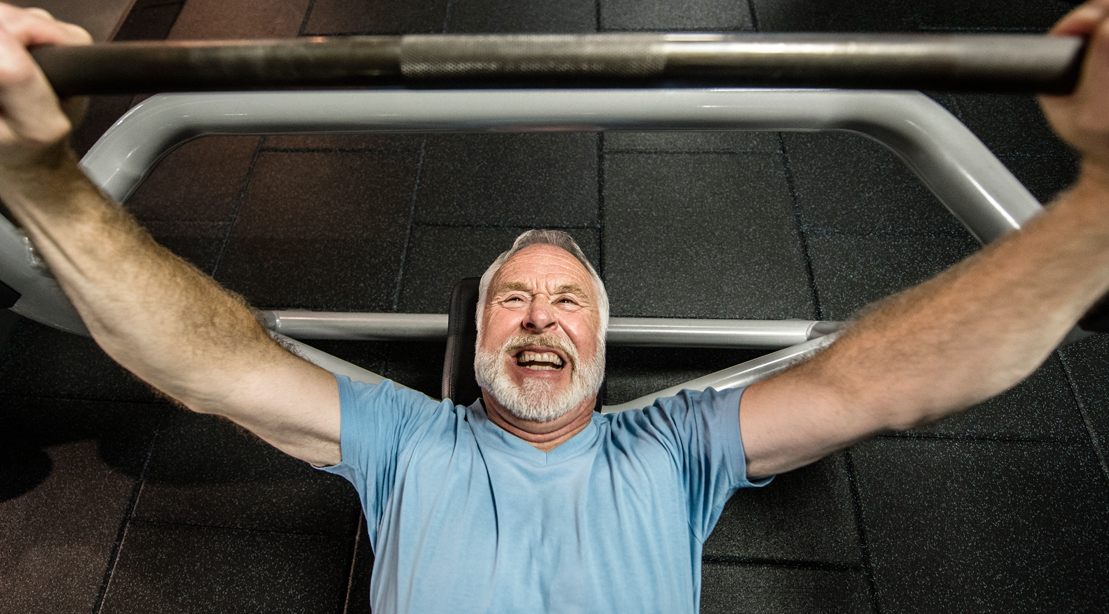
(536, 399)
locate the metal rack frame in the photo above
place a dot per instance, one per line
(962, 173)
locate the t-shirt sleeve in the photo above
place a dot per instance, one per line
(702, 429)
(376, 423)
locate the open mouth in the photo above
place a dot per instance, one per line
(539, 361)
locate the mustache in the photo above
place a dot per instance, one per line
(513, 345)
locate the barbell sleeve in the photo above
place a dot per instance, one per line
(1011, 63)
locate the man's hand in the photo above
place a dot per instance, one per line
(32, 121)
(152, 312)
(1082, 118)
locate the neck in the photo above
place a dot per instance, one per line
(545, 436)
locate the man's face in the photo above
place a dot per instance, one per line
(539, 355)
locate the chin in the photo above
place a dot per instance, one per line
(538, 400)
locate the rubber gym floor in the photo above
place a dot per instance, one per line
(112, 500)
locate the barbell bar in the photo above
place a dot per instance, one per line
(999, 63)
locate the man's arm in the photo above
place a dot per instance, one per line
(149, 310)
(970, 333)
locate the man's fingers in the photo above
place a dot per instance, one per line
(27, 104)
(1082, 20)
(37, 27)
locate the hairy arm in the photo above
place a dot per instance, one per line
(149, 310)
(970, 333)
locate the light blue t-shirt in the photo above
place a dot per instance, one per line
(465, 517)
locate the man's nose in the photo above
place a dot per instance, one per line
(540, 316)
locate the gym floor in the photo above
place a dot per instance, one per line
(112, 500)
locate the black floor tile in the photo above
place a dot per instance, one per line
(103, 111)
(1010, 125)
(833, 16)
(219, 19)
(632, 372)
(439, 256)
(1044, 176)
(370, 355)
(1035, 15)
(702, 235)
(344, 142)
(511, 17)
(330, 17)
(42, 361)
(852, 271)
(322, 231)
(534, 180)
(805, 515)
(206, 471)
(149, 21)
(201, 243)
(671, 141)
(848, 183)
(203, 180)
(175, 568)
(1088, 365)
(961, 526)
(68, 471)
(1040, 408)
(671, 15)
(780, 590)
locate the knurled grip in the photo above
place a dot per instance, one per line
(439, 57)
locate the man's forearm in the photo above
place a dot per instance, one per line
(151, 311)
(981, 327)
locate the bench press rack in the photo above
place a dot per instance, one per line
(962, 173)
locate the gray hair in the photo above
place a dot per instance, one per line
(556, 238)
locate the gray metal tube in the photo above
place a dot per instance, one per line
(364, 326)
(643, 332)
(743, 374)
(963, 62)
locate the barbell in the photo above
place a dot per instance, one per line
(999, 63)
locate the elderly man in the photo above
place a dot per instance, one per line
(528, 500)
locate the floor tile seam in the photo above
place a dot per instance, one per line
(353, 562)
(200, 525)
(307, 15)
(860, 524)
(124, 525)
(741, 561)
(801, 227)
(1053, 442)
(238, 207)
(1084, 412)
(753, 15)
(406, 247)
(446, 17)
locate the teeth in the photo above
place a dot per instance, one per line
(540, 357)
